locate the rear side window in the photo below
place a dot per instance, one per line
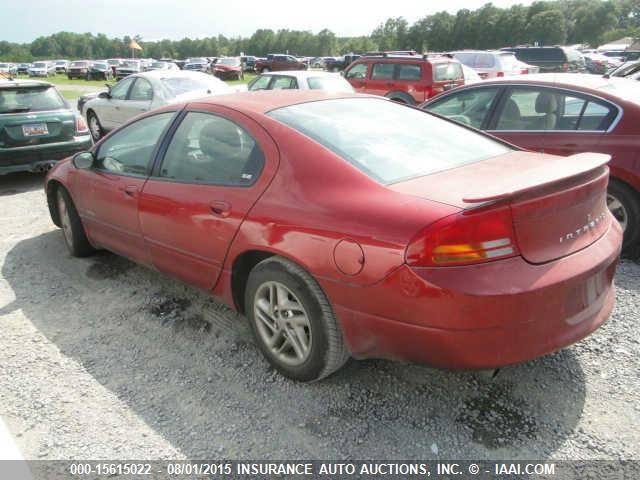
(15, 100)
(382, 71)
(409, 72)
(485, 60)
(386, 141)
(284, 83)
(207, 148)
(447, 71)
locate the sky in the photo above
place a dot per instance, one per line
(24, 20)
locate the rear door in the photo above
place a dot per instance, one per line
(216, 165)
(381, 79)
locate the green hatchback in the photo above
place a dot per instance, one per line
(37, 127)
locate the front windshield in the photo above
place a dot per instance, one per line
(39, 64)
(158, 64)
(100, 65)
(196, 60)
(386, 141)
(179, 85)
(33, 99)
(4, 65)
(130, 64)
(229, 61)
(78, 64)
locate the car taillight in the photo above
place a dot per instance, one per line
(565, 67)
(81, 125)
(469, 237)
(500, 74)
(524, 71)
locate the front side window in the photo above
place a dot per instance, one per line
(141, 90)
(207, 148)
(330, 84)
(129, 150)
(407, 144)
(284, 83)
(260, 83)
(357, 71)
(119, 90)
(468, 107)
(382, 71)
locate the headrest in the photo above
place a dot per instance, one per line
(546, 103)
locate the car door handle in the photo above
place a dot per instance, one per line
(220, 208)
(130, 190)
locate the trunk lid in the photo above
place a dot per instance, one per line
(37, 128)
(558, 204)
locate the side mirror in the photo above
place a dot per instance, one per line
(104, 95)
(83, 160)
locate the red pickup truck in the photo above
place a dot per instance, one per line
(274, 63)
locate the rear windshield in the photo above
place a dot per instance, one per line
(331, 84)
(508, 61)
(180, 85)
(16, 100)
(386, 141)
(78, 64)
(39, 64)
(447, 71)
(541, 54)
(4, 65)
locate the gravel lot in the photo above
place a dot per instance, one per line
(103, 359)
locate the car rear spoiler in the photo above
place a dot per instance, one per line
(504, 188)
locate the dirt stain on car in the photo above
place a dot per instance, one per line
(107, 266)
(497, 418)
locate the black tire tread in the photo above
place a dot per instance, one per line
(631, 200)
(337, 353)
(81, 246)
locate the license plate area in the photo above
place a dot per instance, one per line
(35, 129)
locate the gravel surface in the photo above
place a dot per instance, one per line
(103, 359)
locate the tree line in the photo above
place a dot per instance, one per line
(590, 22)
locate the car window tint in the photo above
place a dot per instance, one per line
(519, 111)
(30, 99)
(468, 107)
(382, 71)
(331, 84)
(467, 58)
(260, 83)
(447, 71)
(409, 72)
(128, 151)
(141, 90)
(596, 117)
(386, 141)
(484, 60)
(284, 83)
(120, 89)
(357, 71)
(207, 148)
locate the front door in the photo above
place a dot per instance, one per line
(357, 77)
(137, 102)
(216, 165)
(122, 166)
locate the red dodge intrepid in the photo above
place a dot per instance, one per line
(346, 225)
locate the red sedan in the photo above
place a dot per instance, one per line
(345, 225)
(563, 114)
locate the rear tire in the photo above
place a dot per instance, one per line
(74, 236)
(293, 322)
(624, 204)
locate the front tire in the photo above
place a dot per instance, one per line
(72, 229)
(293, 322)
(95, 127)
(624, 204)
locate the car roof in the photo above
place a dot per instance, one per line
(615, 87)
(263, 101)
(300, 74)
(6, 83)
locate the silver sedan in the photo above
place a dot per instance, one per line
(138, 93)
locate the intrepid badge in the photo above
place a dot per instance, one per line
(590, 225)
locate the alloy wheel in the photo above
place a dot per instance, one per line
(65, 219)
(282, 323)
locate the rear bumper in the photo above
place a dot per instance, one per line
(489, 316)
(40, 157)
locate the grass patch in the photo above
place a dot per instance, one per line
(63, 80)
(247, 78)
(71, 94)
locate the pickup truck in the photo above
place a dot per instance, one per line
(274, 63)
